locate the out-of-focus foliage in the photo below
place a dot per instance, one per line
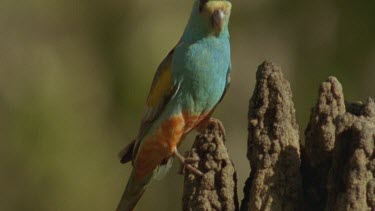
(74, 76)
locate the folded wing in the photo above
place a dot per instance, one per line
(162, 91)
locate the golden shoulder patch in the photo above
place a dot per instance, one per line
(162, 87)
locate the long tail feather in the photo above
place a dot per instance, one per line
(133, 192)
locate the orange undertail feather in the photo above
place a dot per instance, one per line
(160, 146)
(153, 154)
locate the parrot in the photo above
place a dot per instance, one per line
(187, 87)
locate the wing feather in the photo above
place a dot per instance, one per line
(162, 91)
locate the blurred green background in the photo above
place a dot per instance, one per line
(74, 76)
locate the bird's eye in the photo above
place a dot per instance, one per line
(202, 3)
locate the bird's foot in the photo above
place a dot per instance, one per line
(211, 123)
(186, 163)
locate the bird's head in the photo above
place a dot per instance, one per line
(216, 12)
(209, 17)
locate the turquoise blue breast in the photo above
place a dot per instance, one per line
(201, 69)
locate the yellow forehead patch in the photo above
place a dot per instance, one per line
(211, 6)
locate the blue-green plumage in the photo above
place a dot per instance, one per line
(200, 64)
(187, 87)
(201, 71)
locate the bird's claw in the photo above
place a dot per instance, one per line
(186, 164)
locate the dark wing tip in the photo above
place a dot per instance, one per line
(126, 154)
